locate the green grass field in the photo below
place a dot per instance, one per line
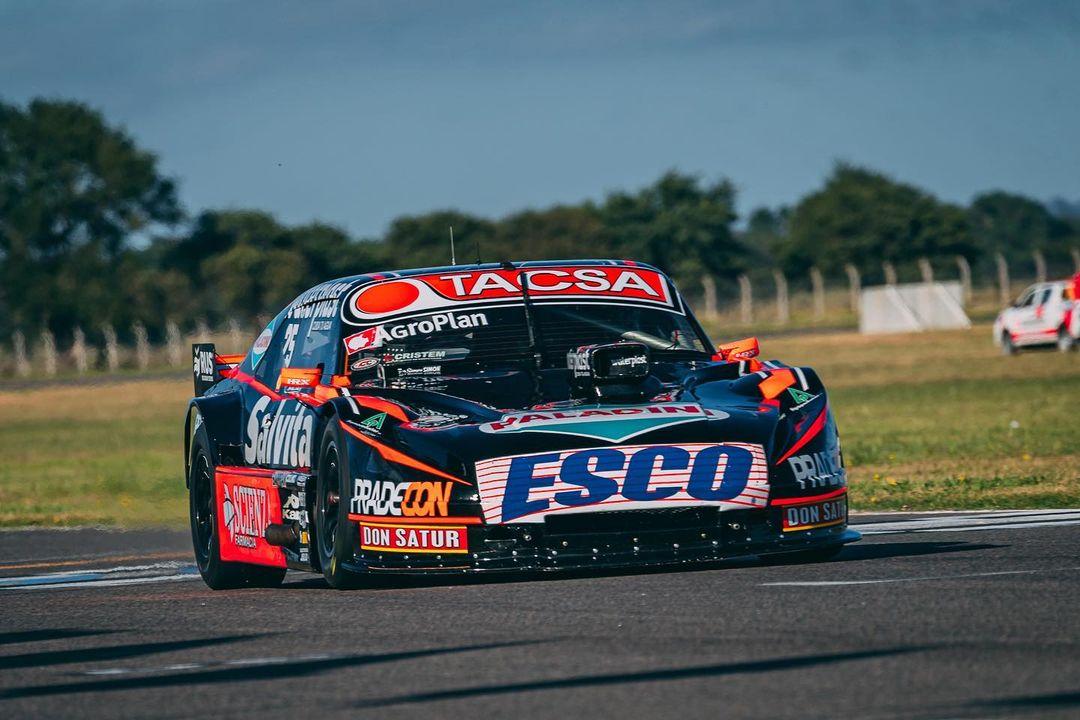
(930, 421)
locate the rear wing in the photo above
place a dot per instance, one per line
(209, 368)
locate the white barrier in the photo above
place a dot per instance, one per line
(912, 307)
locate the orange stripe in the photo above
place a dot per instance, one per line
(230, 359)
(247, 379)
(391, 455)
(776, 383)
(244, 470)
(390, 408)
(386, 520)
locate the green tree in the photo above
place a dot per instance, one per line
(424, 240)
(677, 225)
(865, 218)
(1015, 226)
(74, 192)
(242, 263)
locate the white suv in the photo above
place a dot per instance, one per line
(1045, 314)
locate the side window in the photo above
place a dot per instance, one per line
(304, 342)
(1045, 296)
(1026, 298)
(315, 344)
(269, 367)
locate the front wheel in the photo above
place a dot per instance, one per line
(335, 535)
(1065, 341)
(1007, 345)
(202, 510)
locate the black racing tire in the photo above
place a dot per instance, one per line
(1007, 345)
(1065, 341)
(202, 511)
(335, 536)
(798, 557)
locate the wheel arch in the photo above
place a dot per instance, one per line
(221, 421)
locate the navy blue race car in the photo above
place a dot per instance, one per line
(503, 417)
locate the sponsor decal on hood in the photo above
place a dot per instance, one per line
(614, 424)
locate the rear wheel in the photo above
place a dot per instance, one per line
(202, 506)
(1007, 345)
(1065, 341)
(335, 536)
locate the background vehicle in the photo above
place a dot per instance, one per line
(531, 416)
(1044, 314)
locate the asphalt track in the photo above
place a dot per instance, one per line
(930, 616)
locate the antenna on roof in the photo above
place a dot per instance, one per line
(476, 239)
(453, 255)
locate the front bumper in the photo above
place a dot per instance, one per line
(614, 540)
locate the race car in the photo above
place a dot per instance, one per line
(511, 417)
(1045, 314)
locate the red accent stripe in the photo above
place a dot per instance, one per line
(395, 456)
(249, 380)
(806, 500)
(810, 434)
(243, 470)
(393, 520)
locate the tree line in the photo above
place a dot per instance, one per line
(92, 232)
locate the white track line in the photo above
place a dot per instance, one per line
(968, 521)
(103, 577)
(106, 583)
(832, 583)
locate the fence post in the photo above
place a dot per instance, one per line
(48, 353)
(236, 340)
(890, 272)
(854, 286)
(22, 364)
(746, 300)
(926, 270)
(142, 345)
(1076, 259)
(112, 352)
(965, 277)
(78, 350)
(709, 287)
(817, 284)
(1004, 293)
(1040, 266)
(202, 332)
(174, 345)
(783, 311)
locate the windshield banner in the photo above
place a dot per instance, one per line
(402, 297)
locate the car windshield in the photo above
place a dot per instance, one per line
(498, 335)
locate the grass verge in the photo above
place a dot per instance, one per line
(931, 421)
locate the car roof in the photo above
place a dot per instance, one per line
(383, 275)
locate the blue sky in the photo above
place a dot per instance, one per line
(355, 112)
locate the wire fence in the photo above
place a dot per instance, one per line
(764, 301)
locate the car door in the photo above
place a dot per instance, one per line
(1038, 322)
(1022, 315)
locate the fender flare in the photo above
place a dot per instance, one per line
(220, 428)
